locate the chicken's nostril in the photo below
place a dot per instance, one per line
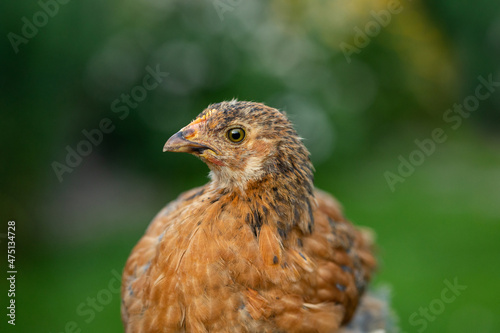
(188, 133)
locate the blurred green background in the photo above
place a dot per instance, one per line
(65, 64)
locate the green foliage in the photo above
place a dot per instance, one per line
(357, 116)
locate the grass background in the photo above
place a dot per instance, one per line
(441, 223)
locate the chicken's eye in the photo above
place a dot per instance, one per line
(236, 135)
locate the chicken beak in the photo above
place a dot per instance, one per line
(179, 144)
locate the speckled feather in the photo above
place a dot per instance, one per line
(257, 249)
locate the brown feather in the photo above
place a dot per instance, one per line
(258, 249)
(270, 246)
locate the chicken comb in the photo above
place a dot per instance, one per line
(203, 117)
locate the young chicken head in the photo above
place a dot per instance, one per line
(243, 142)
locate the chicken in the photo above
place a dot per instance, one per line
(257, 249)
